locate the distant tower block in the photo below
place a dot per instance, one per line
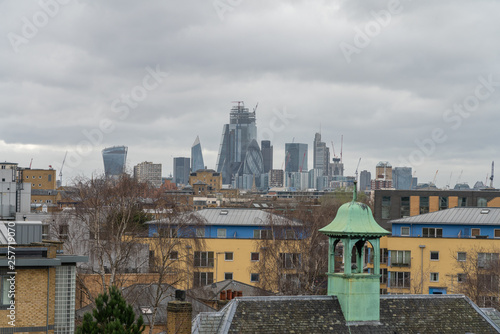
(196, 156)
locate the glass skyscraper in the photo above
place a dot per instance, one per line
(114, 160)
(267, 155)
(295, 157)
(236, 138)
(181, 171)
(196, 156)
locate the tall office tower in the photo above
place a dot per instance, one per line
(276, 178)
(236, 137)
(295, 157)
(321, 154)
(401, 178)
(267, 155)
(365, 179)
(114, 160)
(336, 167)
(383, 176)
(253, 166)
(196, 156)
(181, 171)
(148, 172)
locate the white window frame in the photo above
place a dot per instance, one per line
(434, 277)
(251, 255)
(221, 233)
(464, 256)
(434, 252)
(405, 228)
(226, 254)
(253, 280)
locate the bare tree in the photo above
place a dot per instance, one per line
(478, 275)
(294, 255)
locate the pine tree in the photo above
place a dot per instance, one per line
(111, 315)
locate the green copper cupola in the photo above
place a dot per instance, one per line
(358, 292)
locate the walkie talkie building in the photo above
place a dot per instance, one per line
(114, 160)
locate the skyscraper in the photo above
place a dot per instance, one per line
(267, 155)
(148, 172)
(401, 178)
(181, 170)
(196, 156)
(295, 157)
(236, 137)
(114, 160)
(365, 180)
(321, 154)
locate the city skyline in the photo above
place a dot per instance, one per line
(426, 101)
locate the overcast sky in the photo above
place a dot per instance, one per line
(415, 83)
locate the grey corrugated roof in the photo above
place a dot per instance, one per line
(241, 217)
(459, 216)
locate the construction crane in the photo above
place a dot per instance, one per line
(341, 146)
(62, 165)
(435, 176)
(492, 171)
(356, 173)
(449, 181)
(255, 107)
(333, 150)
(460, 176)
(302, 164)
(31, 162)
(412, 177)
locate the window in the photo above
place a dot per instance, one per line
(221, 233)
(497, 233)
(460, 278)
(424, 204)
(63, 229)
(383, 277)
(228, 256)
(482, 202)
(200, 232)
(50, 177)
(405, 206)
(26, 175)
(405, 231)
(262, 234)
(461, 256)
(45, 230)
(400, 280)
(33, 176)
(434, 277)
(5, 287)
(204, 259)
(291, 260)
(255, 256)
(462, 201)
(488, 281)
(254, 277)
(290, 234)
(431, 232)
(443, 203)
(228, 275)
(173, 255)
(400, 258)
(485, 260)
(434, 255)
(39, 176)
(201, 279)
(475, 231)
(386, 207)
(384, 255)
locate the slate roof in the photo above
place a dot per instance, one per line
(239, 217)
(323, 314)
(458, 216)
(209, 292)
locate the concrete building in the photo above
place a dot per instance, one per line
(211, 178)
(181, 171)
(15, 194)
(276, 178)
(197, 162)
(321, 155)
(148, 172)
(336, 167)
(43, 188)
(383, 176)
(393, 204)
(115, 159)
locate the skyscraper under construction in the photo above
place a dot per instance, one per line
(236, 139)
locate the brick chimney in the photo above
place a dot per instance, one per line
(179, 314)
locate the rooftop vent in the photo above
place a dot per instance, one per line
(485, 211)
(223, 212)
